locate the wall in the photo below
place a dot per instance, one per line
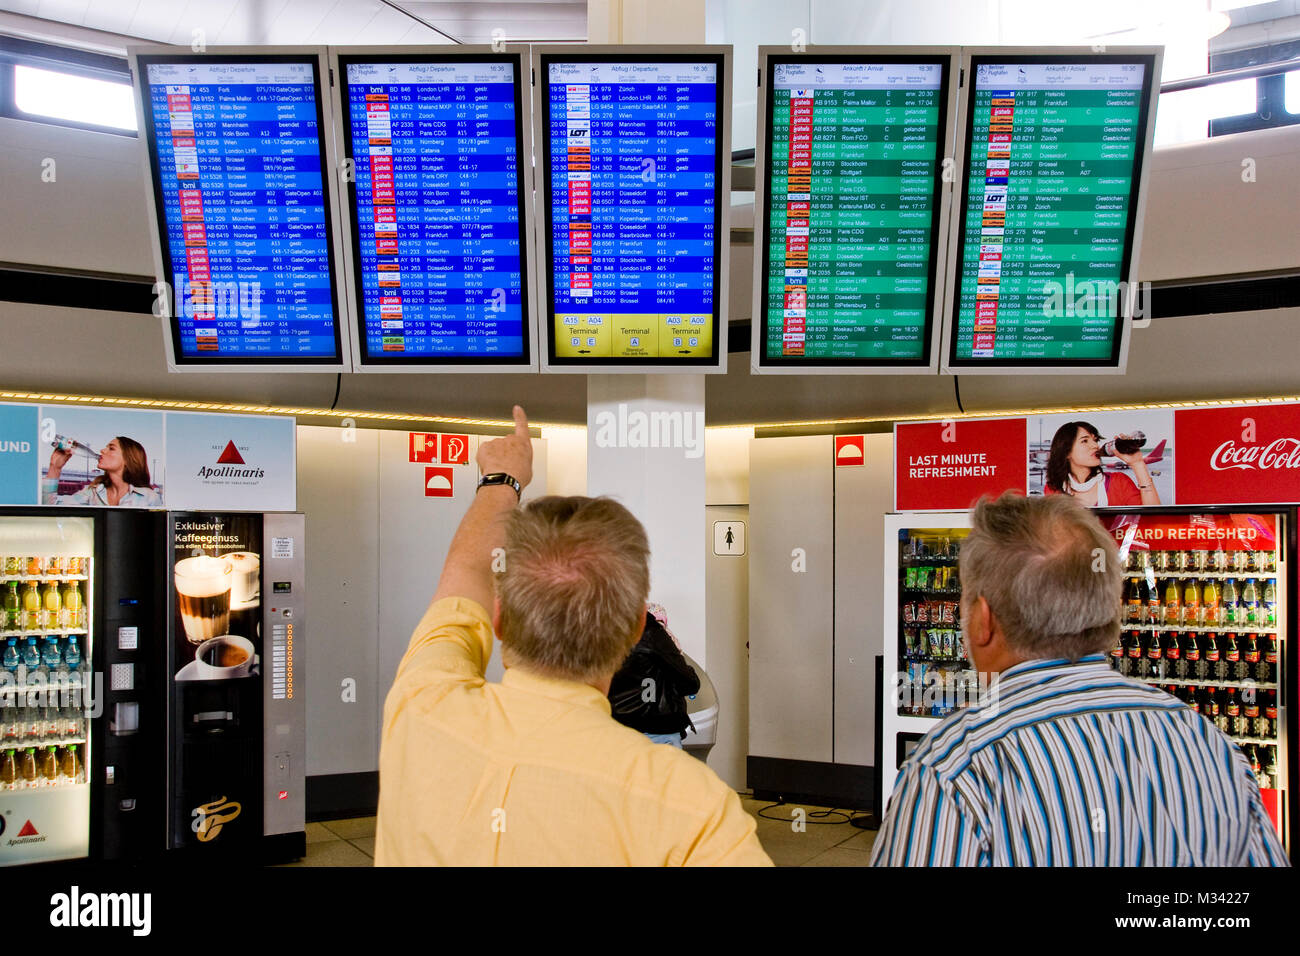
(791, 618)
(376, 545)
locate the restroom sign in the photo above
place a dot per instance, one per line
(729, 538)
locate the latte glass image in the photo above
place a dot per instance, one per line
(246, 578)
(203, 596)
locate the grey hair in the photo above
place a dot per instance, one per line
(1050, 573)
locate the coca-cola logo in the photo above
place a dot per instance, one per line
(1277, 454)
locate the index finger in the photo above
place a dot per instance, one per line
(521, 422)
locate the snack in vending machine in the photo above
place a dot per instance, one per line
(909, 612)
(909, 578)
(912, 639)
(934, 638)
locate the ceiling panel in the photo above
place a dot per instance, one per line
(287, 22)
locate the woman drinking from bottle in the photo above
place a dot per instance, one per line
(1074, 468)
(124, 483)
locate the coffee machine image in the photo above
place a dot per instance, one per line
(236, 733)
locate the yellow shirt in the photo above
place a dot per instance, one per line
(534, 771)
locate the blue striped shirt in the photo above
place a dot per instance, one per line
(1072, 764)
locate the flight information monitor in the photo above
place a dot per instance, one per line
(238, 154)
(438, 232)
(1049, 211)
(852, 211)
(633, 153)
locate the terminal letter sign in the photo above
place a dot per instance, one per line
(946, 466)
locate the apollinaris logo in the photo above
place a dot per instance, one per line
(230, 463)
(78, 909)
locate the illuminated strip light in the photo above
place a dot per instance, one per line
(248, 409)
(1016, 413)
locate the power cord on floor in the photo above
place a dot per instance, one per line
(812, 815)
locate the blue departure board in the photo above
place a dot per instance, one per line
(439, 231)
(238, 160)
(633, 190)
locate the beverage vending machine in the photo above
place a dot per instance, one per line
(237, 737)
(148, 692)
(926, 673)
(1206, 619)
(82, 722)
(1207, 606)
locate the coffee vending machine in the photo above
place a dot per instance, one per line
(236, 738)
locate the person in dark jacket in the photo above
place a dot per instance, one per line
(649, 692)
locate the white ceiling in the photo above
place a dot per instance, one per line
(287, 22)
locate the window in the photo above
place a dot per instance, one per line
(66, 87)
(80, 100)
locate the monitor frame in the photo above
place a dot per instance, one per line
(140, 57)
(543, 54)
(517, 54)
(770, 56)
(1153, 57)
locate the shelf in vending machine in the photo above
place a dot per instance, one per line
(932, 561)
(939, 592)
(1217, 575)
(1205, 682)
(1202, 629)
(50, 631)
(5, 578)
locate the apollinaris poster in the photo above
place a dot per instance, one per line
(92, 456)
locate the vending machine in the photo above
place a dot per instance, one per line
(1206, 619)
(926, 673)
(150, 692)
(236, 740)
(81, 760)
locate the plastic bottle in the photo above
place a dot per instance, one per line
(51, 604)
(74, 609)
(8, 770)
(13, 613)
(32, 611)
(11, 660)
(27, 767)
(73, 770)
(49, 766)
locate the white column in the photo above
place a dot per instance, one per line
(650, 453)
(645, 447)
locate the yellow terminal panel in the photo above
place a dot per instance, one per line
(582, 335)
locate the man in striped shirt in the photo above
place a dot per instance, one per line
(1065, 762)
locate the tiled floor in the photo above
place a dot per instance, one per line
(790, 839)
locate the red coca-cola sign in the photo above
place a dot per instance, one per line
(1238, 455)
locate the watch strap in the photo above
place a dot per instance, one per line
(501, 478)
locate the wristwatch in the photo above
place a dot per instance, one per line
(501, 478)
